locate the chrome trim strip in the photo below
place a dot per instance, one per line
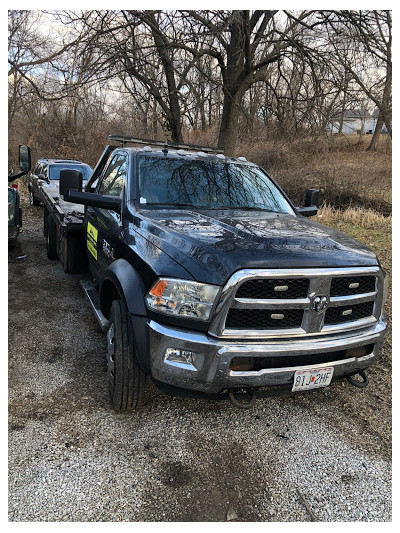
(337, 301)
(361, 323)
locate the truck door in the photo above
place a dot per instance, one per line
(104, 227)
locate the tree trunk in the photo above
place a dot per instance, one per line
(228, 133)
(377, 133)
(203, 115)
(385, 110)
(175, 119)
(154, 120)
(210, 107)
(162, 47)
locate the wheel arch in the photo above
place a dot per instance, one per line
(122, 281)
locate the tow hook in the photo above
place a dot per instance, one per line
(247, 404)
(355, 382)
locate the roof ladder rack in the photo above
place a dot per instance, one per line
(165, 144)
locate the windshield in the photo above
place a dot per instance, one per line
(54, 170)
(174, 182)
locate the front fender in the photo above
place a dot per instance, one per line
(121, 280)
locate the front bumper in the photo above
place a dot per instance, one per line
(213, 373)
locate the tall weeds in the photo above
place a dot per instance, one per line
(365, 218)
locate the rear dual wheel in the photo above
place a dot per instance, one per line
(126, 379)
(51, 238)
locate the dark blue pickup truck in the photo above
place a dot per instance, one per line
(207, 279)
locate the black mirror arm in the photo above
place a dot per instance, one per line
(13, 177)
(113, 203)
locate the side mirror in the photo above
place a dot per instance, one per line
(70, 180)
(312, 198)
(311, 204)
(24, 158)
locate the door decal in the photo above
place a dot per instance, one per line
(92, 239)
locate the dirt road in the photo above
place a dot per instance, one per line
(321, 456)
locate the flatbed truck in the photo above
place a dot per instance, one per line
(206, 278)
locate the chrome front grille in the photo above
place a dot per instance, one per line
(283, 302)
(273, 288)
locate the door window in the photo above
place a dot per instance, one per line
(115, 176)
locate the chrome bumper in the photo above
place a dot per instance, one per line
(213, 374)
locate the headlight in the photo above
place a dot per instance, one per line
(182, 298)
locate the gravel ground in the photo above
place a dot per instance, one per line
(320, 456)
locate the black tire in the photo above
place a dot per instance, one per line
(45, 217)
(126, 380)
(32, 199)
(51, 239)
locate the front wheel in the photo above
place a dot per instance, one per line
(126, 380)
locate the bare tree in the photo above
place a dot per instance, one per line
(198, 73)
(369, 59)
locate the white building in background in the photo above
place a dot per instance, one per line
(355, 121)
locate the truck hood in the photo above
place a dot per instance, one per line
(212, 244)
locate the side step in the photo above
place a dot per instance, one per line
(93, 298)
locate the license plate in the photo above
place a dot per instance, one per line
(312, 379)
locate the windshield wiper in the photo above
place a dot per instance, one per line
(250, 208)
(177, 205)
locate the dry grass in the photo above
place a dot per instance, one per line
(365, 218)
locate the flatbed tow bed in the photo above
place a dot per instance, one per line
(63, 227)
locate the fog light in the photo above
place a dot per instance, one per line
(179, 356)
(183, 358)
